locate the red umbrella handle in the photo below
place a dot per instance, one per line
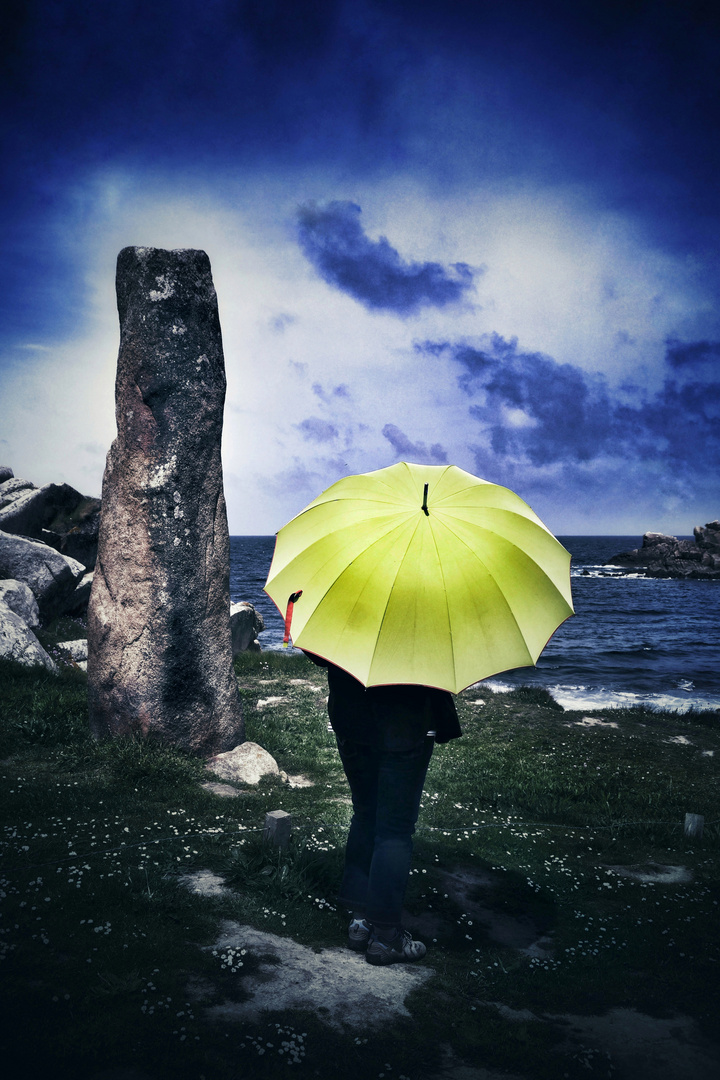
(288, 616)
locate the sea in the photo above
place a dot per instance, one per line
(633, 640)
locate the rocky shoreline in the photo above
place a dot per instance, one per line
(667, 557)
(48, 549)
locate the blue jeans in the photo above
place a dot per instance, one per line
(386, 786)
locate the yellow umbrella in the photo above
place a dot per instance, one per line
(420, 574)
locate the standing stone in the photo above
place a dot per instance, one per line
(160, 659)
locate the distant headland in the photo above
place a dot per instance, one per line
(667, 557)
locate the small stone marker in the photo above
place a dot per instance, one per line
(694, 826)
(278, 824)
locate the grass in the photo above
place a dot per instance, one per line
(531, 820)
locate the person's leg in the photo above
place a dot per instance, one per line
(401, 776)
(360, 763)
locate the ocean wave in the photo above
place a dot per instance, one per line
(681, 699)
(587, 698)
(608, 572)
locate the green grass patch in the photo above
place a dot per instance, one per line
(39, 709)
(551, 876)
(63, 628)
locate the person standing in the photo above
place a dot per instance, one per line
(385, 737)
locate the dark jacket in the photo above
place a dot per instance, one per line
(392, 715)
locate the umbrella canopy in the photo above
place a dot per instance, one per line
(420, 574)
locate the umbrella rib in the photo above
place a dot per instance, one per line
(390, 592)
(447, 606)
(512, 543)
(500, 591)
(451, 502)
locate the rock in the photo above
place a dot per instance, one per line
(12, 488)
(245, 625)
(52, 577)
(57, 514)
(336, 985)
(204, 882)
(19, 598)
(245, 764)
(76, 534)
(19, 508)
(75, 650)
(160, 652)
(298, 781)
(709, 537)
(653, 539)
(225, 791)
(667, 557)
(77, 605)
(6, 473)
(18, 643)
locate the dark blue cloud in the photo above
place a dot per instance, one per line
(536, 410)
(682, 355)
(372, 271)
(318, 430)
(339, 391)
(416, 452)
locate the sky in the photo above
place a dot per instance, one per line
(466, 232)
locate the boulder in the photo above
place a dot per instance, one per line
(75, 652)
(18, 643)
(12, 488)
(664, 556)
(15, 517)
(6, 473)
(77, 604)
(160, 652)
(52, 577)
(78, 538)
(708, 538)
(57, 514)
(245, 625)
(19, 598)
(245, 764)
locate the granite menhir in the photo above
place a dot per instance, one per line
(160, 651)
